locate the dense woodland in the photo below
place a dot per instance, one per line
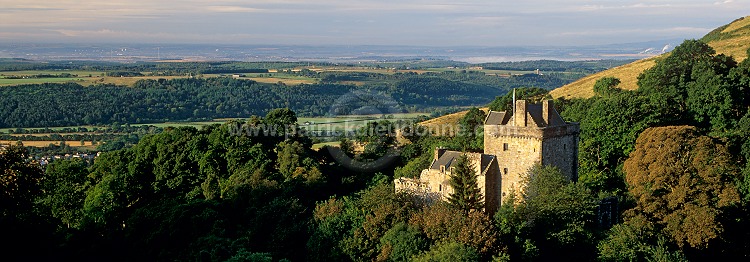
(674, 154)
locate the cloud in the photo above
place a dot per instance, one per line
(617, 32)
(364, 21)
(233, 9)
(482, 21)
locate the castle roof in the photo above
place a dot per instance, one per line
(497, 118)
(528, 115)
(448, 158)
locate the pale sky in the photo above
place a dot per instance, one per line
(355, 22)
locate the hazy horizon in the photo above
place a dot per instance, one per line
(339, 22)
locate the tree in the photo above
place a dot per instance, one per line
(609, 127)
(466, 195)
(606, 85)
(442, 223)
(713, 100)
(448, 251)
(281, 121)
(65, 188)
(26, 233)
(637, 240)
(667, 83)
(294, 162)
(471, 129)
(682, 182)
(19, 181)
(401, 242)
(530, 94)
(555, 215)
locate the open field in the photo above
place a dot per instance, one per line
(7, 130)
(85, 81)
(197, 125)
(419, 71)
(80, 73)
(10, 82)
(46, 143)
(86, 78)
(49, 134)
(321, 145)
(286, 81)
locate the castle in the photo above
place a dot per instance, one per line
(513, 143)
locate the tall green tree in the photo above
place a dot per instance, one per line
(281, 121)
(609, 127)
(448, 251)
(556, 215)
(466, 195)
(638, 240)
(401, 243)
(65, 185)
(668, 83)
(531, 94)
(471, 129)
(19, 181)
(606, 85)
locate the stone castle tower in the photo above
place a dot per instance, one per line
(535, 134)
(514, 142)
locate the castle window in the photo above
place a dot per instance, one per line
(453, 169)
(564, 146)
(505, 146)
(505, 170)
(440, 188)
(442, 169)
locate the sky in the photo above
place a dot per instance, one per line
(368, 22)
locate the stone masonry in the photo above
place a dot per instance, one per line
(513, 143)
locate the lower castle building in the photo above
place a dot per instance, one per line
(513, 143)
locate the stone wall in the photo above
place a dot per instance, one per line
(562, 152)
(492, 188)
(515, 155)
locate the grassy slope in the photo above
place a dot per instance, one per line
(446, 124)
(732, 39)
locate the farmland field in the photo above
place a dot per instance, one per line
(46, 143)
(98, 77)
(338, 123)
(9, 82)
(80, 73)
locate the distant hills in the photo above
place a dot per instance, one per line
(731, 39)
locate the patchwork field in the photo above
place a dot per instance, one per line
(47, 143)
(339, 123)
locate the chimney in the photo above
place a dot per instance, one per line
(439, 151)
(548, 107)
(519, 116)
